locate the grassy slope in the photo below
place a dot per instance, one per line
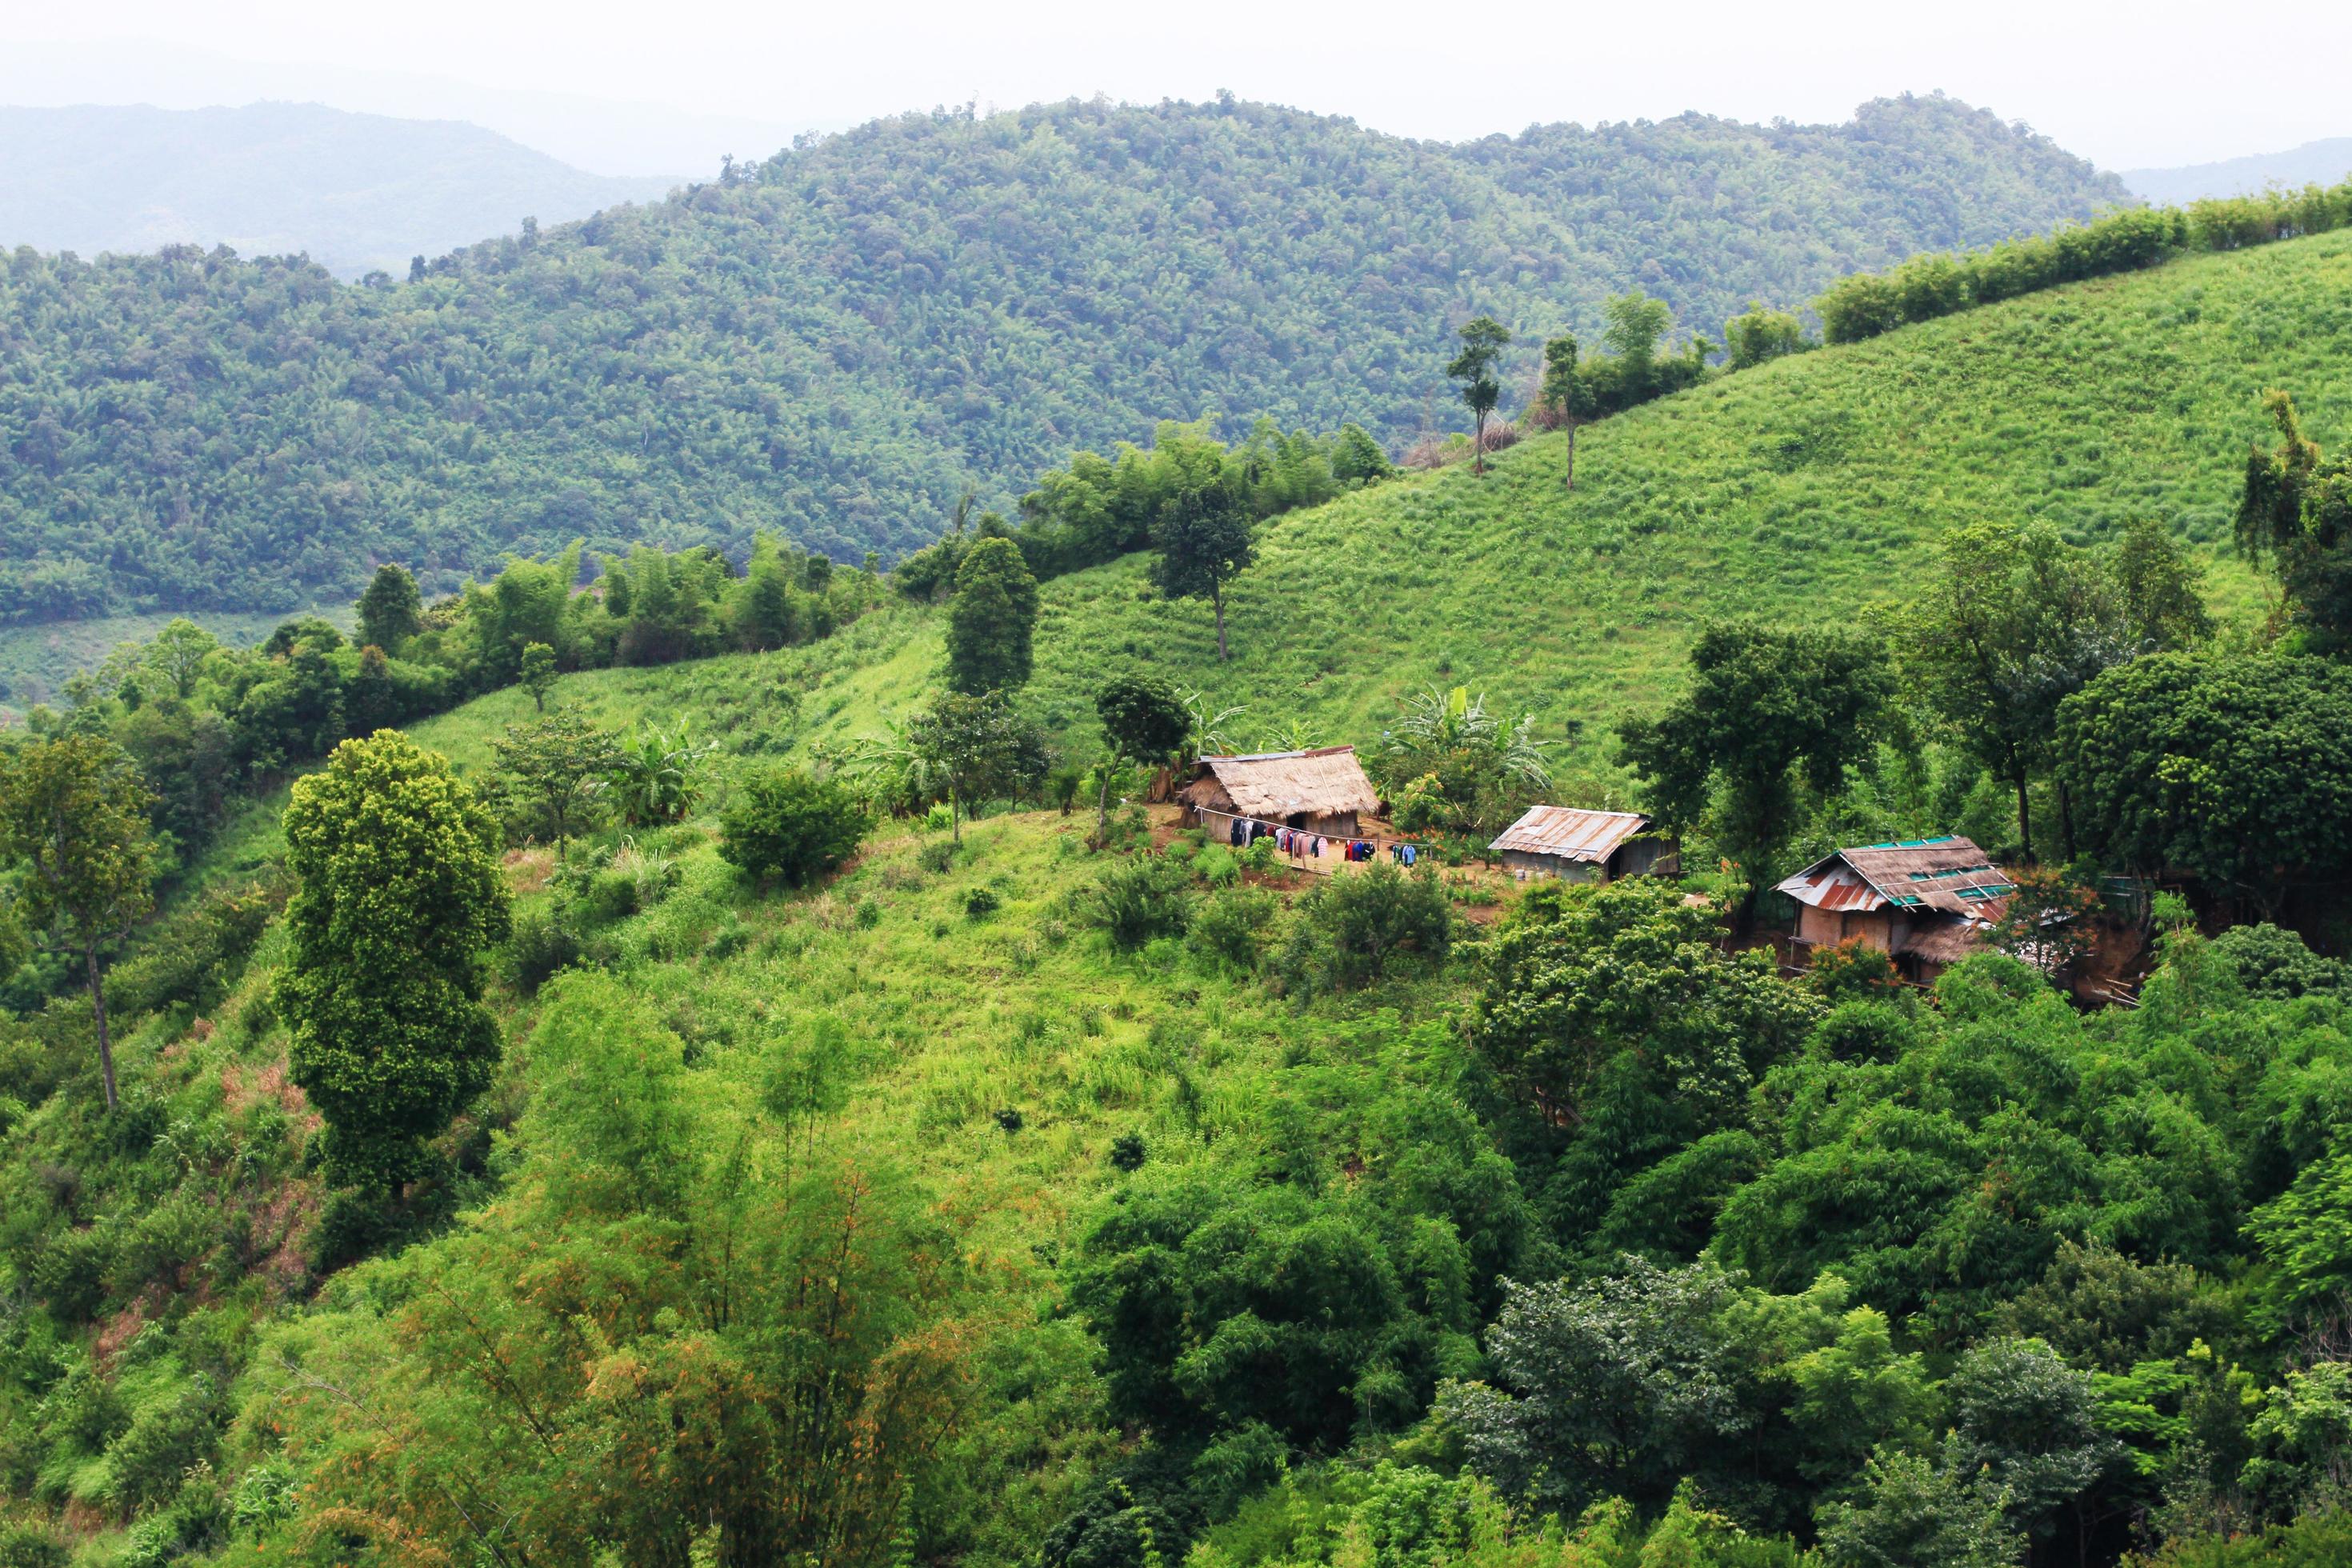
(1805, 491)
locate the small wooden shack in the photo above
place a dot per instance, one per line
(1928, 903)
(1323, 790)
(1586, 846)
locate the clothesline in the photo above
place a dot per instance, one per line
(1305, 844)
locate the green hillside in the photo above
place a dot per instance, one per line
(839, 342)
(1806, 490)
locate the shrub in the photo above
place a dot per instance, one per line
(1127, 1151)
(979, 903)
(938, 857)
(1852, 971)
(28, 1545)
(197, 956)
(1231, 926)
(1347, 932)
(1142, 898)
(541, 945)
(785, 824)
(1216, 866)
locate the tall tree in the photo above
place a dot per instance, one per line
(1483, 341)
(1561, 394)
(1144, 721)
(390, 608)
(2016, 622)
(73, 815)
(992, 620)
(398, 893)
(1765, 708)
(1203, 539)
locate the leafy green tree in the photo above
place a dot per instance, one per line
(1203, 542)
(2016, 623)
(1765, 707)
(2028, 1423)
(1561, 396)
(397, 896)
(2237, 769)
(537, 674)
(1759, 334)
(787, 825)
(2296, 512)
(561, 761)
(1636, 324)
(390, 609)
(178, 654)
(976, 747)
(73, 817)
(2163, 589)
(1607, 1388)
(1144, 723)
(1483, 342)
(1914, 1510)
(992, 620)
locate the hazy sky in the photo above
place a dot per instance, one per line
(2150, 83)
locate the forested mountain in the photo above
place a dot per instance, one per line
(354, 192)
(843, 340)
(2320, 162)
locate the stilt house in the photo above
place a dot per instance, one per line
(1925, 901)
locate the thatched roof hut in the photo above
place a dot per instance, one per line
(1324, 791)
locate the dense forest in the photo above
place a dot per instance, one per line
(842, 341)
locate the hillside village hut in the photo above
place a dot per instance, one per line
(1928, 903)
(1585, 846)
(1323, 790)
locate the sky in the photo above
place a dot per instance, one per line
(637, 88)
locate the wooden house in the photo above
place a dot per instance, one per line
(1586, 846)
(1323, 790)
(1925, 901)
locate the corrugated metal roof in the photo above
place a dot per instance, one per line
(1570, 834)
(1950, 874)
(1273, 785)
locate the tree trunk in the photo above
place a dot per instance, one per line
(955, 817)
(1572, 453)
(1217, 598)
(2066, 819)
(1478, 450)
(2024, 821)
(1102, 807)
(97, 1011)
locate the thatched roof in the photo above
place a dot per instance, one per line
(1274, 785)
(1949, 874)
(1568, 834)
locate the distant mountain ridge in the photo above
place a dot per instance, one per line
(843, 342)
(354, 192)
(2321, 163)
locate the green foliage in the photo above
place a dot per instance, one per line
(2296, 511)
(2274, 964)
(657, 773)
(702, 359)
(1914, 1510)
(2233, 767)
(73, 819)
(1231, 925)
(785, 824)
(397, 893)
(1203, 542)
(1351, 930)
(390, 609)
(990, 620)
(1483, 342)
(1143, 897)
(560, 762)
(1451, 767)
(536, 674)
(1765, 707)
(974, 748)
